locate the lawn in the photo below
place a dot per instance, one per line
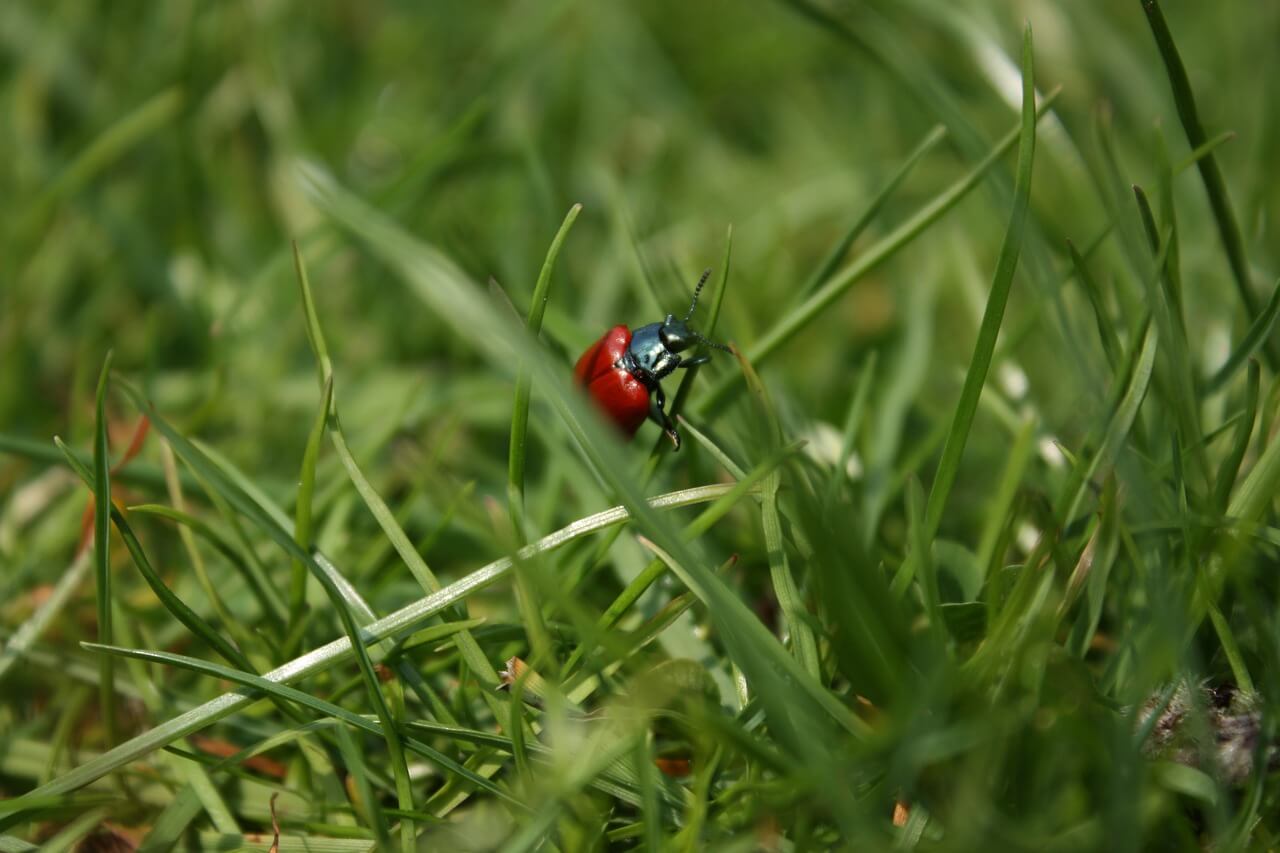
(311, 541)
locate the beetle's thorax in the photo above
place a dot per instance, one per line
(647, 357)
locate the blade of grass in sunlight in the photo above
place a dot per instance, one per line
(1210, 174)
(825, 270)
(175, 605)
(785, 588)
(303, 511)
(243, 504)
(407, 619)
(526, 600)
(1258, 334)
(791, 323)
(1002, 282)
(520, 409)
(290, 694)
(102, 552)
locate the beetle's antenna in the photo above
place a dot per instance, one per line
(705, 275)
(711, 343)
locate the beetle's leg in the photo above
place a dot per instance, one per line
(694, 362)
(657, 411)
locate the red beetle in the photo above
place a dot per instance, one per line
(622, 369)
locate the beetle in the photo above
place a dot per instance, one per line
(622, 372)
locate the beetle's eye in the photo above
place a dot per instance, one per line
(676, 336)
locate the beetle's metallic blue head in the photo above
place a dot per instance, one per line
(654, 351)
(676, 334)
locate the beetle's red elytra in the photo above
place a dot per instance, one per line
(618, 393)
(622, 369)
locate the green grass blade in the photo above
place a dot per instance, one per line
(365, 801)
(823, 272)
(102, 551)
(526, 597)
(785, 588)
(520, 410)
(291, 694)
(1230, 467)
(406, 620)
(382, 513)
(195, 623)
(127, 132)
(1002, 282)
(338, 595)
(303, 511)
(17, 644)
(794, 321)
(1214, 184)
(849, 435)
(1258, 334)
(656, 568)
(1106, 331)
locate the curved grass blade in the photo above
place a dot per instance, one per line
(980, 364)
(527, 602)
(657, 568)
(243, 504)
(520, 409)
(108, 146)
(391, 528)
(404, 621)
(1214, 185)
(238, 631)
(138, 473)
(17, 644)
(1230, 467)
(785, 588)
(789, 325)
(1106, 331)
(1259, 333)
(292, 694)
(303, 510)
(101, 481)
(194, 622)
(827, 268)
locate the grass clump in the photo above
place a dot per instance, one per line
(970, 539)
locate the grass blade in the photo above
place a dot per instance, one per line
(520, 409)
(827, 268)
(303, 510)
(796, 320)
(195, 623)
(980, 364)
(1214, 185)
(1259, 333)
(102, 550)
(1230, 467)
(526, 599)
(406, 620)
(291, 694)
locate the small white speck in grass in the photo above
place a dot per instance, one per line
(1013, 379)
(1051, 453)
(185, 273)
(822, 444)
(1028, 536)
(1216, 345)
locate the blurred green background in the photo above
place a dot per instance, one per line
(151, 161)
(149, 157)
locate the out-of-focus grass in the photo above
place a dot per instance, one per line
(951, 600)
